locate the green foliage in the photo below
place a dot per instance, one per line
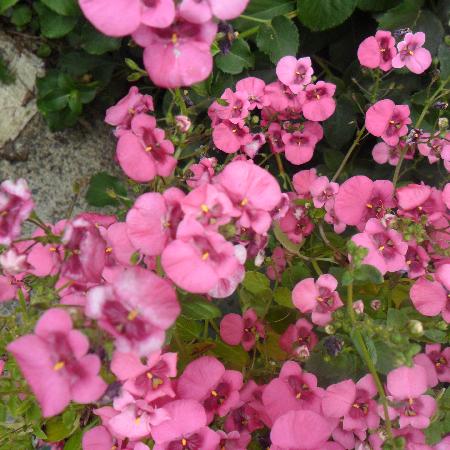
(239, 58)
(105, 189)
(404, 14)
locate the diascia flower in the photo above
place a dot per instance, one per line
(294, 73)
(411, 53)
(377, 51)
(387, 120)
(199, 11)
(317, 101)
(55, 363)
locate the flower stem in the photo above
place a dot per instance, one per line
(368, 360)
(349, 153)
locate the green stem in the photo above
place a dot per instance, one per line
(349, 153)
(280, 164)
(253, 19)
(376, 86)
(368, 360)
(316, 267)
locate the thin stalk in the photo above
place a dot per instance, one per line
(349, 153)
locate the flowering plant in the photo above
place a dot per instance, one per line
(251, 287)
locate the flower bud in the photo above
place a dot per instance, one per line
(358, 307)
(375, 304)
(183, 123)
(443, 124)
(440, 105)
(415, 327)
(441, 325)
(329, 329)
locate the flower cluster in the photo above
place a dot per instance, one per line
(289, 110)
(176, 36)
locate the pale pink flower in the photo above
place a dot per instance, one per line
(411, 53)
(294, 73)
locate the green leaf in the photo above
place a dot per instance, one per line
(21, 15)
(403, 15)
(96, 43)
(430, 24)
(55, 101)
(324, 14)
(52, 24)
(292, 275)
(56, 430)
(74, 443)
(74, 102)
(5, 4)
(375, 5)
(197, 308)
(239, 58)
(235, 357)
(368, 274)
(62, 7)
(255, 282)
(282, 295)
(341, 126)
(278, 38)
(268, 9)
(188, 329)
(258, 301)
(283, 239)
(444, 61)
(103, 190)
(388, 360)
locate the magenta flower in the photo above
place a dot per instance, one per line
(143, 152)
(294, 389)
(186, 428)
(430, 298)
(55, 363)
(387, 120)
(323, 192)
(406, 385)
(436, 148)
(121, 114)
(135, 309)
(254, 89)
(253, 190)
(233, 440)
(354, 403)
(411, 53)
(15, 207)
(207, 381)
(201, 172)
(294, 73)
(383, 153)
(149, 381)
(303, 181)
(198, 258)
(319, 298)
(124, 16)
(417, 260)
(436, 362)
(178, 55)
(296, 223)
(299, 145)
(317, 100)
(386, 247)
(236, 108)
(153, 220)
(299, 339)
(276, 269)
(245, 330)
(359, 199)
(199, 11)
(377, 51)
(300, 430)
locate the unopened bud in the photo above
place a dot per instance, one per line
(329, 329)
(358, 306)
(183, 123)
(440, 105)
(443, 124)
(375, 304)
(415, 327)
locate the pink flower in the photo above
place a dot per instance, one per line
(383, 153)
(55, 363)
(124, 16)
(15, 207)
(186, 428)
(201, 172)
(253, 190)
(178, 55)
(303, 181)
(252, 148)
(230, 137)
(199, 11)
(416, 260)
(377, 51)
(295, 73)
(411, 54)
(354, 403)
(298, 337)
(435, 148)
(13, 263)
(407, 385)
(121, 114)
(430, 298)
(135, 309)
(294, 389)
(254, 89)
(206, 380)
(323, 192)
(275, 270)
(387, 120)
(198, 258)
(318, 102)
(300, 430)
(319, 298)
(236, 108)
(299, 145)
(359, 198)
(386, 247)
(296, 223)
(436, 362)
(183, 123)
(85, 249)
(153, 220)
(245, 330)
(209, 205)
(233, 440)
(143, 152)
(149, 381)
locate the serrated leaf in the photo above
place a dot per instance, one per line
(238, 58)
(430, 24)
(368, 274)
(74, 443)
(188, 329)
(324, 14)
(235, 357)
(283, 296)
(52, 24)
(403, 15)
(255, 282)
(375, 5)
(197, 308)
(292, 275)
(103, 189)
(96, 43)
(62, 7)
(278, 38)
